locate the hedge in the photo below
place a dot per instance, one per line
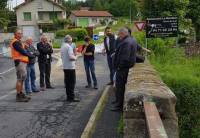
(78, 33)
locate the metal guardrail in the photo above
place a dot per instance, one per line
(154, 123)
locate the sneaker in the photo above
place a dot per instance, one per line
(95, 87)
(88, 86)
(110, 83)
(28, 93)
(73, 100)
(50, 87)
(24, 96)
(36, 91)
(19, 98)
(42, 89)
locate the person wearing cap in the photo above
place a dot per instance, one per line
(88, 56)
(68, 59)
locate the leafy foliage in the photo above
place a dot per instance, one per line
(194, 14)
(78, 33)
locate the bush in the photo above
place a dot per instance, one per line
(78, 33)
(182, 76)
(56, 45)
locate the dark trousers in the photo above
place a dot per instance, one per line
(70, 81)
(110, 65)
(90, 68)
(121, 80)
(45, 71)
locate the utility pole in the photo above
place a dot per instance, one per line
(16, 3)
(130, 10)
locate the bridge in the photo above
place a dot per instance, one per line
(149, 107)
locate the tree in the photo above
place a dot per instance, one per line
(3, 4)
(4, 19)
(163, 8)
(194, 15)
(97, 5)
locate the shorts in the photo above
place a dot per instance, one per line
(21, 71)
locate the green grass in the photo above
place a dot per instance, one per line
(120, 128)
(182, 75)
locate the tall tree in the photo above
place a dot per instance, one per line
(4, 19)
(194, 14)
(162, 8)
(3, 4)
(98, 5)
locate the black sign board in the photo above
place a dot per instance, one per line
(162, 27)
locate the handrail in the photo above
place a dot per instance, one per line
(154, 123)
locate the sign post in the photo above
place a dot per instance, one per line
(95, 37)
(139, 25)
(162, 27)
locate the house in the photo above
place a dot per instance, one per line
(86, 18)
(33, 15)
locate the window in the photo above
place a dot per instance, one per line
(40, 16)
(27, 16)
(52, 15)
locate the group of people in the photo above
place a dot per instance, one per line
(24, 55)
(121, 56)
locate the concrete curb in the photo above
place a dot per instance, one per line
(87, 133)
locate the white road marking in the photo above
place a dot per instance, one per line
(12, 92)
(2, 73)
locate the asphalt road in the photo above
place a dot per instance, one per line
(48, 115)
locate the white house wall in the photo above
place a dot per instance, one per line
(34, 7)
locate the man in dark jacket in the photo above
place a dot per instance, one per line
(125, 57)
(44, 61)
(30, 85)
(109, 48)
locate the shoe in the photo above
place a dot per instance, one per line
(95, 87)
(24, 96)
(36, 91)
(19, 98)
(50, 87)
(73, 100)
(28, 93)
(42, 89)
(88, 86)
(110, 83)
(116, 109)
(114, 102)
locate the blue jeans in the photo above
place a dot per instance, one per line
(30, 79)
(90, 68)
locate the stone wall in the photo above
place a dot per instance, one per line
(144, 84)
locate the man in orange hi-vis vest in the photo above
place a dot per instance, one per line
(21, 58)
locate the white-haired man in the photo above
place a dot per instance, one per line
(125, 57)
(68, 60)
(30, 85)
(44, 62)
